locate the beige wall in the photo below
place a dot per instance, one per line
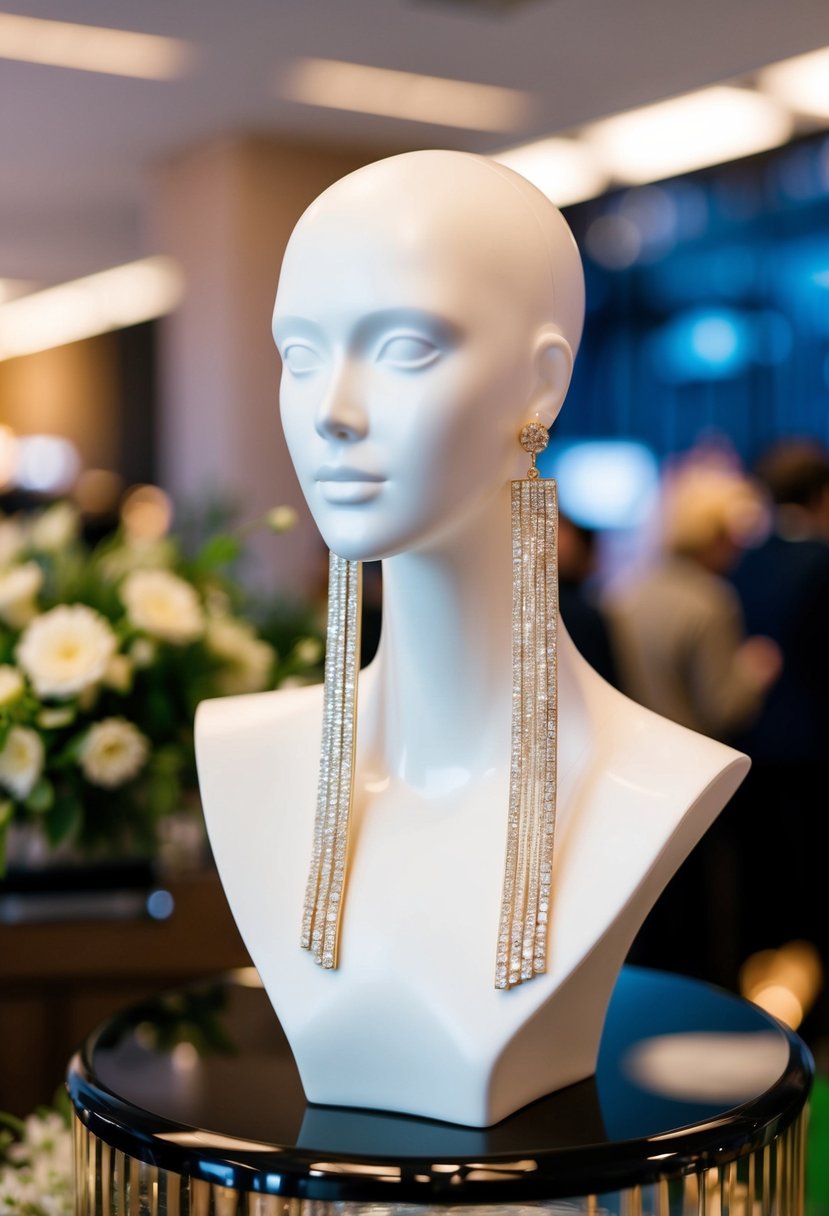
(225, 212)
(71, 391)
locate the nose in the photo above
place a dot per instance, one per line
(340, 413)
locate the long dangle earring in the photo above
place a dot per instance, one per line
(525, 902)
(324, 892)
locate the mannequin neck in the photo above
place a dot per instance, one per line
(439, 712)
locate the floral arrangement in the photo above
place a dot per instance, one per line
(36, 1173)
(106, 649)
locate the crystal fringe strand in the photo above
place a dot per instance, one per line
(324, 892)
(522, 934)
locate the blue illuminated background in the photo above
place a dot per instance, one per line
(707, 322)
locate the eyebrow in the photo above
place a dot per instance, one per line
(288, 325)
(438, 326)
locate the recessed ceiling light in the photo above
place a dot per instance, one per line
(685, 133)
(93, 48)
(431, 99)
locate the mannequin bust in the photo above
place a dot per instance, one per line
(430, 305)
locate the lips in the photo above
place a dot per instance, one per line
(330, 472)
(347, 485)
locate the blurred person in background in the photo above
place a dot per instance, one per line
(681, 642)
(783, 586)
(683, 650)
(580, 606)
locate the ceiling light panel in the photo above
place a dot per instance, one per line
(563, 169)
(802, 82)
(125, 295)
(93, 48)
(686, 133)
(408, 95)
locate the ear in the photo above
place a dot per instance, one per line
(553, 359)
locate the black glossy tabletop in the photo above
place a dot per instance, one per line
(201, 1081)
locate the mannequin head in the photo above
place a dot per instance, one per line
(429, 305)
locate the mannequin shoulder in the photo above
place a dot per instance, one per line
(219, 718)
(654, 752)
(681, 764)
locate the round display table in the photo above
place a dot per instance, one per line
(191, 1105)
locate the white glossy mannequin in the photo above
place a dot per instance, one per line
(427, 309)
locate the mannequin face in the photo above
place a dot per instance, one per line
(409, 349)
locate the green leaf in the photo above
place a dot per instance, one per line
(218, 551)
(5, 729)
(70, 753)
(6, 812)
(167, 759)
(62, 1105)
(12, 1122)
(163, 793)
(42, 797)
(64, 819)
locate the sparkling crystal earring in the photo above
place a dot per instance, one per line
(525, 902)
(335, 794)
(522, 933)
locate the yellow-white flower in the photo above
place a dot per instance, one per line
(21, 761)
(113, 752)
(248, 659)
(119, 673)
(66, 651)
(143, 652)
(54, 528)
(12, 541)
(19, 586)
(164, 605)
(281, 519)
(55, 718)
(11, 684)
(308, 651)
(137, 554)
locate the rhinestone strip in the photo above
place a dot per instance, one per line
(525, 902)
(323, 906)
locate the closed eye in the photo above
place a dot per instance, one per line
(300, 358)
(408, 351)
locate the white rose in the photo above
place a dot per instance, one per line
(39, 1178)
(11, 684)
(18, 590)
(21, 761)
(66, 651)
(113, 752)
(164, 605)
(55, 528)
(249, 660)
(43, 1134)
